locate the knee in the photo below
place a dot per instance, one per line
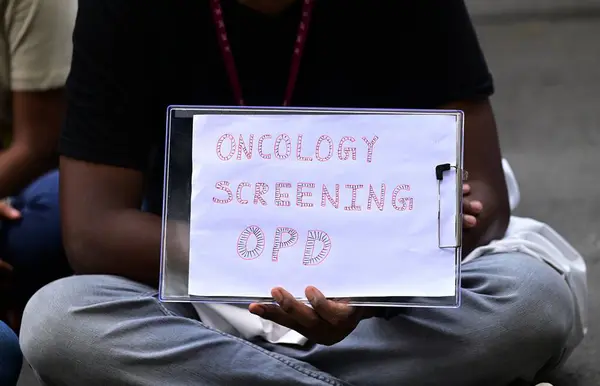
(528, 304)
(541, 298)
(33, 244)
(50, 326)
(43, 191)
(73, 323)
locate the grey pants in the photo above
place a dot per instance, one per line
(515, 320)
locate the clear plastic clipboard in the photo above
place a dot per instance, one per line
(178, 206)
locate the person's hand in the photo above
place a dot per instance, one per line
(471, 208)
(327, 322)
(7, 212)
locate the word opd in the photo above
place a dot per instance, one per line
(252, 243)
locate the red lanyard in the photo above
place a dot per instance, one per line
(217, 12)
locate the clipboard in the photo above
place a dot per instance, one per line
(174, 283)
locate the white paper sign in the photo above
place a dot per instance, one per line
(347, 203)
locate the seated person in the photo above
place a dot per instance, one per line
(35, 55)
(106, 326)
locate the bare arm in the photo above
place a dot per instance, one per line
(106, 145)
(104, 229)
(483, 161)
(37, 117)
(452, 73)
(38, 35)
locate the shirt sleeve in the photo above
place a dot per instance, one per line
(39, 41)
(440, 55)
(108, 89)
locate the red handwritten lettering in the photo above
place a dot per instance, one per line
(403, 203)
(309, 249)
(260, 189)
(299, 157)
(280, 243)
(300, 194)
(329, 148)
(242, 243)
(242, 147)
(224, 186)
(353, 206)
(261, 140)
(238, 193)
(280, 198)
(288, 146)
(372, 197)
(220, 146)
(325, 196)
(345, 153)
(370, 145)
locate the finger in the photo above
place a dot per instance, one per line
(469, 221)
(274, 313)
(8, 212)
(476, 206)
(300, 312)
(472, 207)
(333, 312)
(466, 189)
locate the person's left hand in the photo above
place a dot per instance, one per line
(471, 208)
(327, 322)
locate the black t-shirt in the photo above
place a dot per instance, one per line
(133, 58)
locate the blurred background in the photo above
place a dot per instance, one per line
(545, 57)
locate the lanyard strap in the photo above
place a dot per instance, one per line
(234, 79)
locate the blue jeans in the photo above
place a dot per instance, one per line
(10, 356)
(33, 244)
(516, 319)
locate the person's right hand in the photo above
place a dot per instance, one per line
(7, 212)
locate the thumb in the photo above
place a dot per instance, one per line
(8, 212)
(466, 189)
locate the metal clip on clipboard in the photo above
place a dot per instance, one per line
(439, 176)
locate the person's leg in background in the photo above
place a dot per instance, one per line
(515, 319)
(10, 356)
(33, 244)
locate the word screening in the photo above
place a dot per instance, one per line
(246, 193)
(282, 147)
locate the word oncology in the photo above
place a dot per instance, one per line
(340, 196)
